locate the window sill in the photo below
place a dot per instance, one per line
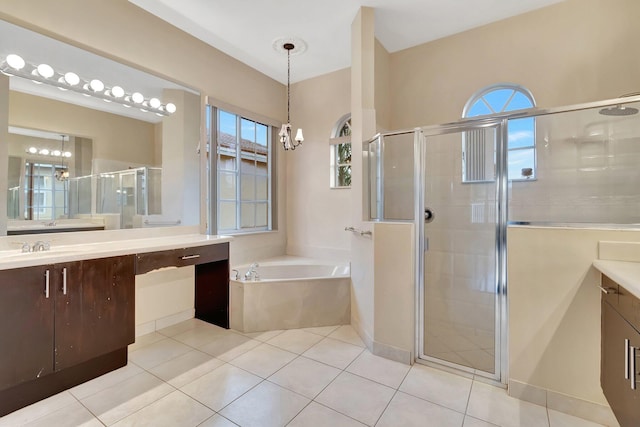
(247, 233)
(346, 187)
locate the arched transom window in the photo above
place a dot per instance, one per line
(522, 136)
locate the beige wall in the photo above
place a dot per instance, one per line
(554, 309)
(115, 137)
(571, 52)
(317, 214)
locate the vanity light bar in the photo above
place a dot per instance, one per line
(14, 65)
(48, 152)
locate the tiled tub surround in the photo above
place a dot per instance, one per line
(290, 293)
(196, 374)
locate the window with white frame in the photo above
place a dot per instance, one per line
(478, 153)
(340, 153)
(244, 172)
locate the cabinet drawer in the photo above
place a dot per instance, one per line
(183, 257)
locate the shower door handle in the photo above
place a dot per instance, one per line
(428, 215)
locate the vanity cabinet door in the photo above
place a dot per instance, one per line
(96, 314)
(26, 325)
(624, 401)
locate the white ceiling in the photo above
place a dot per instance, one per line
(246, 29)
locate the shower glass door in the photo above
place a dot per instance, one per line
(461, 266)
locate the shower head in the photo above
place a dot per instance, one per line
(619, 110)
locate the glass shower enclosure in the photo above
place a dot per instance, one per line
(467, 188)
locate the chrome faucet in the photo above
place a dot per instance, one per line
(252, 273)
(237, 273)
(40, 246)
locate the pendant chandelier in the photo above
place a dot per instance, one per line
(62, 174)
(285, 133)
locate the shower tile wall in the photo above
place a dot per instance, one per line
(588, 171)
(459, 263)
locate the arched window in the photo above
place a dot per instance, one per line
(340, 153)
(522, 135)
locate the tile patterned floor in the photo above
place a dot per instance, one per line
(196, 374)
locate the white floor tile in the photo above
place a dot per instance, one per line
(175, 409)
(264, 360)
(37, 410)
(408, 411)
(221, 386)
(74, 415)
(263, 336)
(218, 421)
(229, 346)
(295, 340)
(267, 405)
(492, 404)
(105, 381)
(181, 327)
(321, 330)
(379, 369)
(305, 376)
(315, 415)
(474, 422)
(146, 339)
(437, 386)
(186, 368)
(125, 398)
(356, 397)
(159, 352)
(560, 419)
(333, 352)
(200, 335)
(347, 334)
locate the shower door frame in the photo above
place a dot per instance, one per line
(500, 124)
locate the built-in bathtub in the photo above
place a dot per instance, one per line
(290, 293)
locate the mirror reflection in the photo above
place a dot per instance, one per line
(94, 155)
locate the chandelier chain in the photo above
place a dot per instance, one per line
(288, 84)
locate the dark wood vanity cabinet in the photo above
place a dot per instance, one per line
(620, 353)
(63, 324)
(26, 329)
(95, 310)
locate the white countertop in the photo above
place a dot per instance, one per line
(625, 273)
(77, 252)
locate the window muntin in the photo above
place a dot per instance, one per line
(521, 153)
(340, 154)
(243, 156)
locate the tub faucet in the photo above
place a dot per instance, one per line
(252, 273)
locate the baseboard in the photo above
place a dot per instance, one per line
(392, 353)
(580, 408)
(164, 322)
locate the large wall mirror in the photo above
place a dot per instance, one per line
(116, 149)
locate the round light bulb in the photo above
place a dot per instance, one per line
(44, 152)
(33, 150)
(67, 154)
(96, 85)
(71, 79)
(155, 103)
(170, 107)
(137, 97)
(15, 61)
(117, 92)
(56, 153)
(45, 70)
